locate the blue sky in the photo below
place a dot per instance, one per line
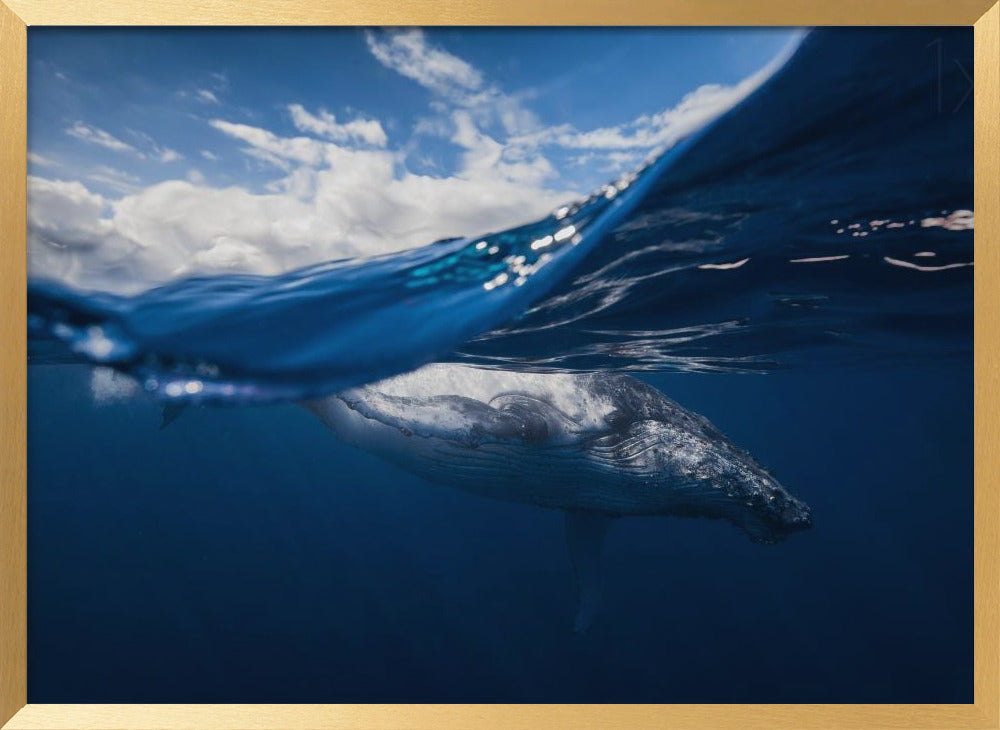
(279, 147)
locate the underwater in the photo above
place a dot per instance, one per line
(676, 409)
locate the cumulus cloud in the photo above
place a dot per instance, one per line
(68, 232)
(486, 157)
(77, 209)
(353, 205)
(341, 187)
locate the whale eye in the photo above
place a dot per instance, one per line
(528, 416)
(534, 428)
(617, 419)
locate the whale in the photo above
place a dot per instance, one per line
(598, 446)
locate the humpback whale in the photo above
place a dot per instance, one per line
(598, 446)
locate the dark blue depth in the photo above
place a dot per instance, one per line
(244, 555)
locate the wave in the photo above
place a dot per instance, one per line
(825, 217)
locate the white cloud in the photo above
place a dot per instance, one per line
(207, 89)
(279, 151)
(42, 161)
(99, 137)
(168, 155)
(652, 131)
(342, 189)
(485, 157)
(450, 78)
(154, 149)
(206, 96)
(325, 124)
(471, 113)
(78, 208)
(114, 179)
(349, 203)
(408, 53)
(68, 232)
(495, 129)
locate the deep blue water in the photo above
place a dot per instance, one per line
(243, 554)
(246, 555)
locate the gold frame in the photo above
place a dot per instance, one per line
(16, 15)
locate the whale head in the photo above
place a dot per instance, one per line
(710, 476)
(766, 511)
(697, 470)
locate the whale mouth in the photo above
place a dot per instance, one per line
(775, 528)
(798, 517)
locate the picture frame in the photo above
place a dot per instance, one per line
(17, 15)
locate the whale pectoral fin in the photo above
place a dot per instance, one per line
(585, 532)
(171, 412)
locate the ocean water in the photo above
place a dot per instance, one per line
(771, 271)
